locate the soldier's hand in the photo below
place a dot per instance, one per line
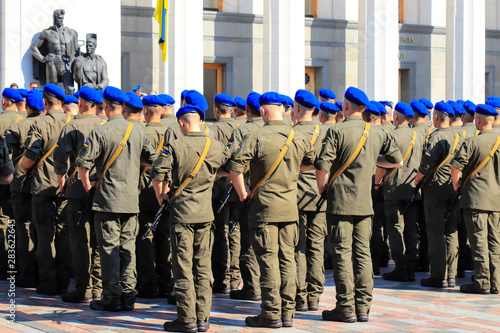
(245, 195)
(89, 187)
(457, 185)
(62, 182)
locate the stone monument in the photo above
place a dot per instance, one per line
(90, 69)
(55, 50)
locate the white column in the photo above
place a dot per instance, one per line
(284, 50)
(465, 49)
(185, 47)
(10, 44)
(345, 10)
(378, 49)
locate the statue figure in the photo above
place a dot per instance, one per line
(56, 47)
(90, 69)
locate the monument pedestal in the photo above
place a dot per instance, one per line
(22, 21)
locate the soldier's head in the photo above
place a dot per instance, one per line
(403, 113)
(224, 105)
(190, 118)
(133, 106)
(327, 112)
(442, 114)
(304, 106)
(114, 100)
(485, 116)
(33, 85)
(10, 97)
(153, 107)
(271, 106)
(59, 17)
(355, 101)
(252, 107)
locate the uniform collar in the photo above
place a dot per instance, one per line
(116, 116)
(154, 124)
(83, 116)
(55, 111)
(402, 126)
(196, 133)
(487, 131)
(275, 123)
(135, 121)
(254, 119)
(305, 122)
(496, 125)
(225, 120)
(168, 115)
(350, 118)
(420, 125)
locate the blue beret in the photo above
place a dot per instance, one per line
(486, 110)
(240, 102)
(493, 101)
(253, 101)
(137, 87)
(470, 107)
(70, 99)
(460, 101)
(444, 107)
(90, 94)
(327, 93)
(101, 92)
(183, 93)
(54, 90)
(356, 96)
(193, 97)
(188, 108)
(380, 107)
(306, 98)
(12, 94)
(169, 100)
(457, 108)
(372, 108)
(289, 101)
(419, 108)
(152, 100)
(77, 94)
(224, 99)
(328, 107)
(34, 100)
(386, 103)
(23, 92)
(339, 104)
(428, 104)
(405, 109)
(271, 97)
(134, 101)
(115, 95)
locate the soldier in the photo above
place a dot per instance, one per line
(222, 129)
(309, 252)
(70, 105)
(115, 202)
(468, 120)
(386, 117)
(15, 138)
(53, 248)
(239, 111)
(167, 116)
(349, 150)
(438, 195)
(9, 109)
(154, 268)
(86, 262)
(137, 90)
(339, 116)
(196, 158)
(7, 169)
(247, 261)
(21, 105)
(326, 95)
(287, 114)
(398, 186)
(428, 104)
(273, 211)
(327, 113)
(479, 203)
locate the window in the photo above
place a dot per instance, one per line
(310, 80)
(311, 6)
(401, 11)
(215, 5)
(404, 85)
(212, 85)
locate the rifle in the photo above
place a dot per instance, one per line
(26, 178)
(453, 204)
(415, 192)
(88, 204)
(163, 208)
(4, 192)
(319, 204)
(233, 224)
(228, 195)
(60, 196)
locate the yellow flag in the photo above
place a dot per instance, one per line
(161, 18)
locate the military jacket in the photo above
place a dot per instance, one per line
(438, 148)
(6, 166)
(43, 135)
(223, 129)
(496, 127)
(482, 190)
(180, 156)
(7, 118)
(174, 132)
(118, 190)
(307, 187)
(350, 193)
(240, 120)
(168, 120)
(401, 184)
(147, 199)
(469, 130)
(16, 137)
(276, 199)
(388, 126)
(69, 144)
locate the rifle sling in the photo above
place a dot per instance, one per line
(483, 163)
(47, 154)
(158, 149)
(407, 154)
(315, 134)
(275, 165)
(351, 159)
(195, 170)
(117, 152)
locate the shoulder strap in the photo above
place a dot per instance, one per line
(207, 130)
(47, 154)
(117, 152)
(351, 159)
(452, 150)
(19, 117)
(483, 163)
(315, 134)
(428, 135)
(407, 154)
(158, 149)
(464, 133)
(275, 165)
(195, 170)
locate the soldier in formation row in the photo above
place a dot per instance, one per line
(266, 197)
